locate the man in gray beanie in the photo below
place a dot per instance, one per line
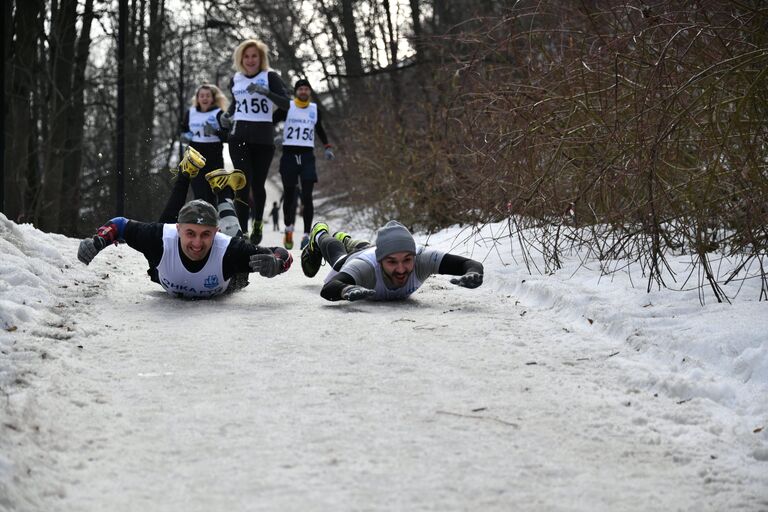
(190, 257)
(391, 270)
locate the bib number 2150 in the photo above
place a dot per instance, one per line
(295, 133)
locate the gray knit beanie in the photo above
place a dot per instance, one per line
(198, 212)
(393, 237)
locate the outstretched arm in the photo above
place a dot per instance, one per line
(111, 232)
(344, 287)
(271, 264)
(470, 272)
(243, 256)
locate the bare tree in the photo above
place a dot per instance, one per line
(61, 60)
(73, 163)
(20, 82)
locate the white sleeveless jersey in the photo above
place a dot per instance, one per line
(382, 292)
(299, 128)
(251, 107)
(197, 121)
(178, 281)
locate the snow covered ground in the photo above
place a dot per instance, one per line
(564, 392)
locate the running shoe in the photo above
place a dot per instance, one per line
(223, 178)
(256, 233)
(192, 162)
(311, 257)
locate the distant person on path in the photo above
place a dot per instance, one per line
(391, 270)
(302, 121)
(201, 129)
(275, 213)
(191, 258)
(256, 93)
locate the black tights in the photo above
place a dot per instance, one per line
(214, 159)
(254, 161)
(178, 198)
(289, 204)
(335, 252)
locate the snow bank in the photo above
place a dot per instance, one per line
(715, 351)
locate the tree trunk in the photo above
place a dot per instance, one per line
(352, 60)
(147, 119)
(416, 27)
(397, 91)
(73, 163)
(18, 122)
(141, 78)
(62, 50)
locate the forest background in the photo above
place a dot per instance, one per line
(626, 130)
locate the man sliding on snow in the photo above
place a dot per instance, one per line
(192, 258)
(392, 269)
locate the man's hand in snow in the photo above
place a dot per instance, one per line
(89, 248)
(269, 265)
(468, 280)
(265, 264)
(354, 292)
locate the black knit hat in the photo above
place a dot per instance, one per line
(200, 212)
(299, 83)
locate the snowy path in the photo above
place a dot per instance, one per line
(273, 399)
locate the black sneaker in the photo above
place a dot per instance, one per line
(350, 245)
(311, 257)
(256, 233)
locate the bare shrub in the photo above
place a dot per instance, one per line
(634, 131)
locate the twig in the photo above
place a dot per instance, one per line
(478, 417)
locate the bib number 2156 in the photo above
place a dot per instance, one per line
(257, 106)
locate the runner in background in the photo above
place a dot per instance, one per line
(302, 121)
(256, 93)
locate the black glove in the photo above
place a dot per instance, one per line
(209, 129)
(256, 88)
(225, 121)
(87, 250)
(354, 292)
(469, 280)
(90, 247)
(265, 264)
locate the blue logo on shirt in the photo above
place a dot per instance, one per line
(212, 281)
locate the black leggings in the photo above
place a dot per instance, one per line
(254, 160)
(289, 204)
(335, 252)
(178, 198)
(214, 159)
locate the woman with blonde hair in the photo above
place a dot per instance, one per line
(257, 92)
(201, 128)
